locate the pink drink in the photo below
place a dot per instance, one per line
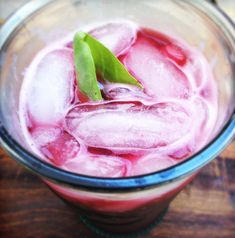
(133, 131)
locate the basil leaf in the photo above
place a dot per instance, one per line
(85, 68)
(91, 56)
(108, 65)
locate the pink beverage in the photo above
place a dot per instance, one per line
(132, 131)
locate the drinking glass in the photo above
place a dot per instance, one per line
(121, 206)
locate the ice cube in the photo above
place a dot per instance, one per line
(120, 91)
(182, 152)
(52, 86)
(43, 135)
(128, 126)
(152, 163)
(198, 134)
(100, 165)
(175, 53)
(202, 125)
(159, 76)
(117, 37)
(55, 144)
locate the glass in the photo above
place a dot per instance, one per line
(133, 203)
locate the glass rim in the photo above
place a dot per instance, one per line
(85, 182)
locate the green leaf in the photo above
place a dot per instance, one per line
(85, 68)
(91, 56)
(108, 65)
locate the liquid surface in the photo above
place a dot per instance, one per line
(133, 131)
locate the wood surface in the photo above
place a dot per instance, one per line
(204, 209)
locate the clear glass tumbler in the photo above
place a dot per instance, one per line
(116, 205)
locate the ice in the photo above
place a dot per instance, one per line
(123, 91)
(152, 163)
(52, 86)
(101, 166)
(175, 53)
(159, 76)
(197, 135)
(55, 144)
(118, 37)
(128, 126)
(198, 69)
(45, 134)
(183, 152)
(202, 125)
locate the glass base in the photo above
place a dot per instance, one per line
(136, 234)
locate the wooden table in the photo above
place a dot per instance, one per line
(204, 209)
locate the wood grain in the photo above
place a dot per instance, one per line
(204, 209)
